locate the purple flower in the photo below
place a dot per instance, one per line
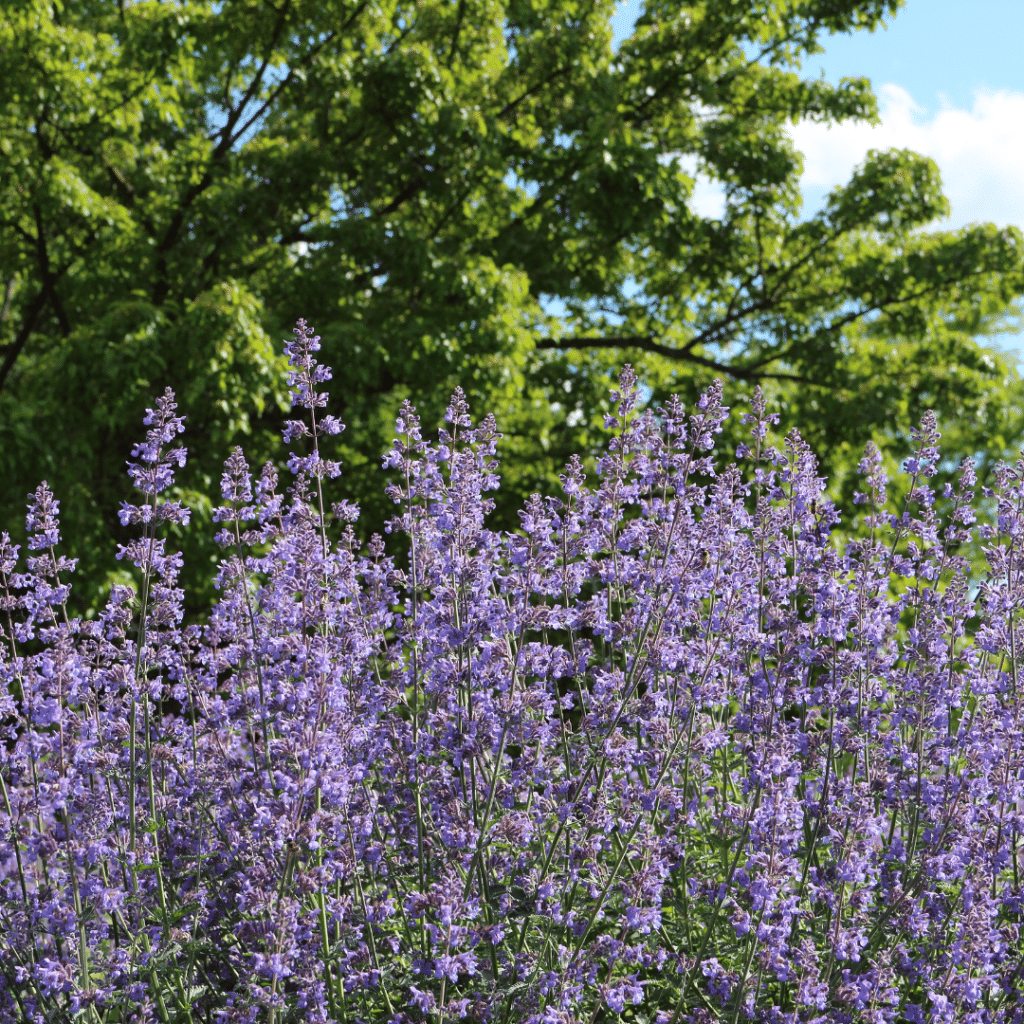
(675, 744)
(304, 377)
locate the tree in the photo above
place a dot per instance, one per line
(457, 191)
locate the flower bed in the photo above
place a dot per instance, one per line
(671, 752)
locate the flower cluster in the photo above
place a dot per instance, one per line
(673, 751)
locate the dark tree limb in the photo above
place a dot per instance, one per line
(49, 278)
(47, 294)
(35, 307)
(647, 343)
(458, 29)
(228, 136)
(8, 295)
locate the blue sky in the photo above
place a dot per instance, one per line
(949, 76)
(938, 50)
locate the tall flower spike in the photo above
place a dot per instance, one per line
(457, 413)
(303, 378)
(269, 501)
(42, 519)
(155, 470)
(236, 489)
(709, 417)
(871, 468)
(43, 524)
(925, 457)
(625, 398)
(758, 419)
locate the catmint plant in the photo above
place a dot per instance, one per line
(675, 750)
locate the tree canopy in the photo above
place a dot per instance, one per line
(474, 192)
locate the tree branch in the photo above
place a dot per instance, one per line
(405, 195)
(512, 104)
(14, 349)
(458, 29)
(647, 344)
(8, 295)
(162, 286)
(282, 85)
(49, 279)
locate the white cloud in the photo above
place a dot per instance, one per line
(980, 152)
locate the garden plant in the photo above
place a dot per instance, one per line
(670, 752)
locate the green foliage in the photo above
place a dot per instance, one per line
(456, 191)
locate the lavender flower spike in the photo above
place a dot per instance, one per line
(154, 473)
